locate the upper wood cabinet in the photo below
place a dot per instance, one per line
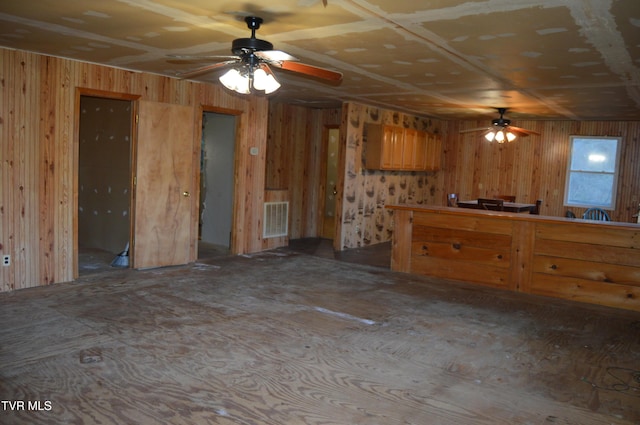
(384, 148)
(396, 148)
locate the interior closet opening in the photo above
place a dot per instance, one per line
(104, 182)
(216, 184)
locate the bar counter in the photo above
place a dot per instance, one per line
(581, 260)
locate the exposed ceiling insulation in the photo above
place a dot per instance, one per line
(451, 59)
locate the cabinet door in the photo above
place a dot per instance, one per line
(415, 150)
(388, 147)
(409, 159)
(397, 147)
(392, 144)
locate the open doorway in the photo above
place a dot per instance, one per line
(329, 182)
(104, 181)
(216, 184)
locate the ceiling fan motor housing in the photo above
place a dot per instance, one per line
(501, 122)
(241, 46)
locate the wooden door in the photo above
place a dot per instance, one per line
(164, 173)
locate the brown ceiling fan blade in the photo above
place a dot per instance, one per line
(274, 56)
(194, 59)
(313, 71)
(206, 69)
(470, 130)
(523, 131)
(202, 57)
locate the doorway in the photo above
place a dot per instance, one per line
(329, 182)
(104, 180)
(217, 171)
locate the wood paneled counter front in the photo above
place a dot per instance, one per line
(574, 259)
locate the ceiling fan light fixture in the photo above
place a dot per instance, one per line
(243, 80)
(234, 80)
(500, 136)
(265, 81)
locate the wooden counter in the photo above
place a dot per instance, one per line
(574, 259)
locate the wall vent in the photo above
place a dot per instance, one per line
(276, 219)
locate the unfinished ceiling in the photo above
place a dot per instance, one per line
(452, 59)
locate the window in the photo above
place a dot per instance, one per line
(592, 172)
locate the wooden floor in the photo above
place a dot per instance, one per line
(306, 336)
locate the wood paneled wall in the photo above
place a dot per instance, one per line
(294, 161)
(531, 168)
(38, 129)
(534, 167)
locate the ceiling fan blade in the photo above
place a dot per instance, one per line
(524, 131)
(475, 129)
(206, 69)
(202, 57)
(274, 55)
(313, 71)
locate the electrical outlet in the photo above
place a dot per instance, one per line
(6, 260)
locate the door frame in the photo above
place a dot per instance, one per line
(80, 91)
(238, 114)
(324, 149)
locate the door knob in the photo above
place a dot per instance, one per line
(186, 194)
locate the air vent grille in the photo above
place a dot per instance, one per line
(276, 219)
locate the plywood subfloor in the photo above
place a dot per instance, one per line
(284, 337)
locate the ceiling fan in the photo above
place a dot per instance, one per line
(251, 61)
(501, 130)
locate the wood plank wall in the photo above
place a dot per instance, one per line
(531, 168)
(294, 160)
(38, 126)
(534, 167)
(38, 194)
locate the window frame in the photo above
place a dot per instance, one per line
(616, 173)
